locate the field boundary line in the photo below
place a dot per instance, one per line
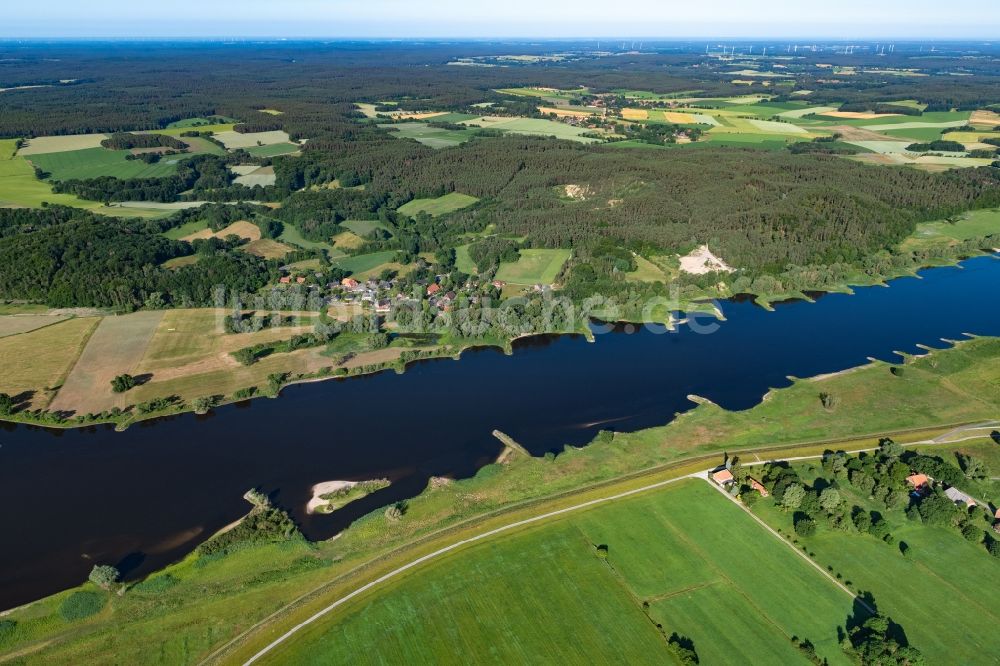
(527, 503)
(458, 544)
(782, 539)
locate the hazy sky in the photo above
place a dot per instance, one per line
(507, 18)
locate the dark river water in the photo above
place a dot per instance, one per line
(143, 498)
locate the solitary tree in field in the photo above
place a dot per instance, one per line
(104, 576)
(122, 383)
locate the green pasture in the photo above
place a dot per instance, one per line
(273, 150)
(443, 205)
(200, 124)
(362, 263)
(364, 227)
(19, 187)
(943, 595)
(463, 261)
(434, 137)
(97, 162)
(291, 234)
(974, 224)
(707, 571)
(534, 267)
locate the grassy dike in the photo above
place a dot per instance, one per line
(226, 608)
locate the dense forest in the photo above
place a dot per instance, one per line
(767, 213)
(65, 257)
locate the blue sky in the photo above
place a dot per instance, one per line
(848, 19)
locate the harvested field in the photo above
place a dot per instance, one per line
(243, 229)
(232, 140)
(41, 359)
(635, 114)
(267, 248)
(116, 347)
(347, 240)
(565, 113)
(16, 324)
(857, 115)
(984, 117)
(59, 144)
(263, 176)
(849, 133)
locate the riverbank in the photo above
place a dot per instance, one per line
(238, 591)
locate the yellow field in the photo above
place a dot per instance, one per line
(565, 113)
(41, 359)
(635, 114)
(267, 248)
(243, 229)
(984, 117)
(348, 240)
(677, 117)
(858, 115)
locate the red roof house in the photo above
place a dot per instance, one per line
(433, 289)
(918, 481)
(722, 477)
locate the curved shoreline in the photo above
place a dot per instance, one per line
(123, 423)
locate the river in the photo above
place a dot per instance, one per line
(145, 497)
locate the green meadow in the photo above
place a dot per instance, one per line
(448, 203)
(362, 263)
(364, 227)
(19, 187)
(97, 162)
(534, 267)
(291, 234)
(434, 137)
(685, 557)
(943, 594)
(273, 150)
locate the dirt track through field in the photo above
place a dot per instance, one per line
(117, 347)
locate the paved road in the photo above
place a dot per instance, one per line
(947, 438)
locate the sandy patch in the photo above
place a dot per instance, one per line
(243, 229)
(577, 192)
(635, 114)
(701, 261)
(325, 488)
(858, 115)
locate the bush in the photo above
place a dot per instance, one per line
(972, 533)
(80, 605)
(805, 526)
(7, 628)
(103, 575)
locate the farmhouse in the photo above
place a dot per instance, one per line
(958, 497)
(918, 481)
(350, 283)
(723, 477)
(433, 289)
